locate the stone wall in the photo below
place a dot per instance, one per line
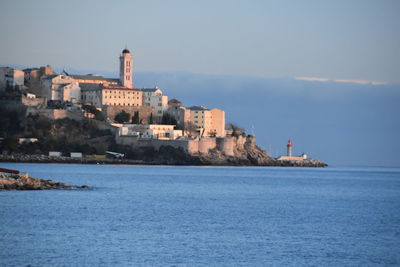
(205, 144)
(227, 145)
(144, 112)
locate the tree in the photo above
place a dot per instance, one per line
(190, 128)
(135, 118)
(168, 119)
(98, 115)
(151, 121)
(236, 130)
(122, 117)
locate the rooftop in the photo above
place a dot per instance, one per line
(198, 108)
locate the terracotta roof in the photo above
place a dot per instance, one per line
(174, 101)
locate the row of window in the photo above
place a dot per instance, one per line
(120, 91)
(122, 97)
(123, 104)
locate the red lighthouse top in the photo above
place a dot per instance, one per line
(289, 142)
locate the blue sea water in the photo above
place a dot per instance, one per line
(203, 216)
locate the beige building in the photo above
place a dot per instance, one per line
(10, 77)
(209, 122)
(121, 96)
(100, 96)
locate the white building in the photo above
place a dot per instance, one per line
(10, 77)
(151, 131)
(154, 98)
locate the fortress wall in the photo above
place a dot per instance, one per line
(205, 144)
(226, 145)
(193, 147)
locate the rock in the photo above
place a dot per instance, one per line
(24, 182)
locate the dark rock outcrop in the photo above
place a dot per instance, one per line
(24, 182)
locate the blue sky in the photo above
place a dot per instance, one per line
(354, 40)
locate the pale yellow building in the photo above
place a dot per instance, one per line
(121, 96)
(208, 122)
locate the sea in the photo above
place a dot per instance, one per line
(203, 216)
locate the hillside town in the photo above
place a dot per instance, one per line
(137, 118)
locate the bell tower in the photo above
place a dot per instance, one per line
(125, 69)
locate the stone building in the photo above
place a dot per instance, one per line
(10, 78)
(179, 112)
(61, 88)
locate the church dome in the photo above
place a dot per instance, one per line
(125, 51)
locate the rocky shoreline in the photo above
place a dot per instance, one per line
(16, 181)
(254, 157)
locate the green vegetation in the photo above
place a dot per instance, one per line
(236, 130)
(136, 118)
(10, 122)
(98, 115)
(168, 119)
(122, 117)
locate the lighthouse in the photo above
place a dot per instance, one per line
(289, 148)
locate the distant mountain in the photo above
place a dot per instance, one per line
(339, 123)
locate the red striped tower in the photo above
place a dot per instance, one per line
(289, 148)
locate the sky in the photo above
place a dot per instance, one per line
(350, 40)
(323, 73)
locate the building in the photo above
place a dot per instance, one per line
(150, 131)
(126, 69)
(10, 78)
(209, 122)
(94, 79)
(32, 79)
(179, 112)
(121, 96)
(154, 98)
(289, 154)
(61, 88)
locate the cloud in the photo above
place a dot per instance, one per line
(361, 82)
(318, 79)
(312, 79)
